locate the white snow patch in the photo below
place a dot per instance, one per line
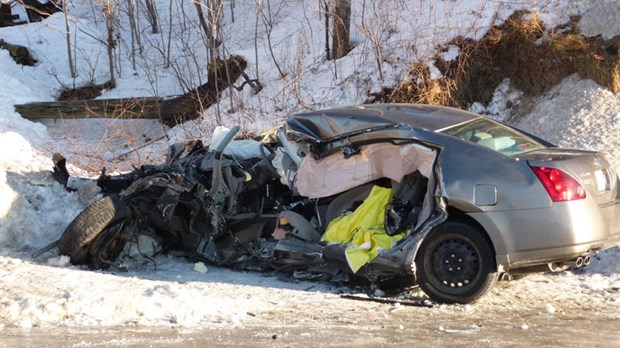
(504, 99)
(578, 114)
(435, 73)
(450, 54)
(601, 17)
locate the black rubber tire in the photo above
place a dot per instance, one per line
(83, 230)
(456, 263)
(107, 246)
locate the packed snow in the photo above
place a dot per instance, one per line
(34, 209)
(578, 113)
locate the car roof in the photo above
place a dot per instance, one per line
(323, 125)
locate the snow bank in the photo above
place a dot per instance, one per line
(33, 207)
(578, 114)
(171, 295)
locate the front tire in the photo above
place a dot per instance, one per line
(84, 229)
(456, 263)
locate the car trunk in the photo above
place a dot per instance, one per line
(592, 171)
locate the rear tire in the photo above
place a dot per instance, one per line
(456, 263)
(83, 230)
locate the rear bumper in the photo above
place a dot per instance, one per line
(558, 233)
(558, 254)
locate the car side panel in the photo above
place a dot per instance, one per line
(525, 226)
(466, 166)
(535, 236)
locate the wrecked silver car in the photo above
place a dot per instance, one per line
(427, 195)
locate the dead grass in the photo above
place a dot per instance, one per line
(522, 49)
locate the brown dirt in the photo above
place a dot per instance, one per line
(522, 49)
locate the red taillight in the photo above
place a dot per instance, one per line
(560, 186)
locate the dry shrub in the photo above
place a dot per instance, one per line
(601, 62)
(116, 145)
(520, 49)
(564, 44)
(425, 90)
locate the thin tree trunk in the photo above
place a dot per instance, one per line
(167, 63)
(258, 11)
(326, 12)
(341, 26)
(232, 11)
(150, 8)
(269, 22)
(68, 37)
(138, 28)
(131, 13)
(205, 28)
(109, 12)
(214, 18)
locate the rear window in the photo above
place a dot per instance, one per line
(495, 136)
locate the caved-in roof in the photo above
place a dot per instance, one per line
(323, 125)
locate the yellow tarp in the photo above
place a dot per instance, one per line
(364, 229)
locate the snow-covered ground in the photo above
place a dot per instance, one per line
(34, 210)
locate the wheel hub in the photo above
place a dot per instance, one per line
(455, 263)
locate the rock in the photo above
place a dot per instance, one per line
(87, 193)
(200, 267)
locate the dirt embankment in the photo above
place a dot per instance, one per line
(534, 58)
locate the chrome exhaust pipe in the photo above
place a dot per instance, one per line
(586, 260)
(575, 263)
(579, 262)
(557, 266)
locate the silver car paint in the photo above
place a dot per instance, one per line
(524, 225)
